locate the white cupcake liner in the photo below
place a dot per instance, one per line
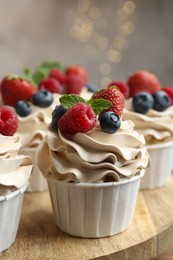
(10, 212)
(94, 210)
(37, 183)
(160, 171)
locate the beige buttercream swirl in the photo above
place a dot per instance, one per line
(93, 157)
(15, 169)
(152, 125)
(32, 128)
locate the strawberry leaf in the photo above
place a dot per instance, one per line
(99, 104)
(69, 100)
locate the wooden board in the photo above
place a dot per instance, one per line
(149, 234)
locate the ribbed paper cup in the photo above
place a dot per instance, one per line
(37, 183)
(10, 212)
(94, 210)
(160, 171)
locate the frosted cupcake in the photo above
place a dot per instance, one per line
(93, 171)
(149, 107)
(15, 172)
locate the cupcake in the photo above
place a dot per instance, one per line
(93, 167)
(15, 172)
(150, 108)
(34, 98)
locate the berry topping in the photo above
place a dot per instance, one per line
(110, 122)
(73, 84)
(143, 81)
(142, 102)
(23, 108)
(115, 96)
(57, 113)
(14, 88)
(78, 70)
(91, 87)
(169, 91)
(79, 118)
(42, 98)
(121, 86)
(161, 101)
(58, 75)
(8, 121)
(51, 85)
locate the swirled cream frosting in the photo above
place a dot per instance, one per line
(32, 128)
(93, 157)
(155, 126)
(15, 169)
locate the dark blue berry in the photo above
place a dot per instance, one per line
(110, 122)
(142, 102)
(91, 87)
(42, 98)
(23, 108)
(161, 101)
(57, 113)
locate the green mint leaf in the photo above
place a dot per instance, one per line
(69, 100)
(99, 104)
(28, 76)
(47, 66)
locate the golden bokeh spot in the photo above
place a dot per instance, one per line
(84, 5)
(105, 81)
(113, 55)
(119, 42)
(128, 28)
(129, 7)
(95, 12)
(105, 69)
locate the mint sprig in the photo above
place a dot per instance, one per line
(41, 71)
(98, 105)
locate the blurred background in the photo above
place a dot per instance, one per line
(111, 39)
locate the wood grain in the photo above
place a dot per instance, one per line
(148, 236)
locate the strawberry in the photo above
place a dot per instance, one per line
(14, 88)
(79, 118)
(8, 121)
(77, 70)
(143, 81)
(50, 84)
(169, 91)
(58, 75)
(121, 86)
(73, 84)
(115, 96)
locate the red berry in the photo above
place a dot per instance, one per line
(169, 91)
(8, 121)
(78, 70)
(73, 84)
(121, 86)
(58, 75)
(14, 89)
(143, 81)
(115, 96)
(51, 85)
(79, 118)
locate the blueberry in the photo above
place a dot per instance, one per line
(110, 122)
(161, 101)
(91, 87)
(142, 102)
(42, 98)
(23, 108)
(57, 113)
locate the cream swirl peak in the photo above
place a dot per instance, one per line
(94, 156)
(154, 125)
(15, 169)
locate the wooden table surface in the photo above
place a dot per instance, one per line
(149, 234)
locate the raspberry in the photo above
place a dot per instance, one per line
(143, 81)
(8, 121)
(51, 85)
(169, 91)
(121, 86)
(79, 118)
(115, 96)
(58, 75)
(73, 84)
